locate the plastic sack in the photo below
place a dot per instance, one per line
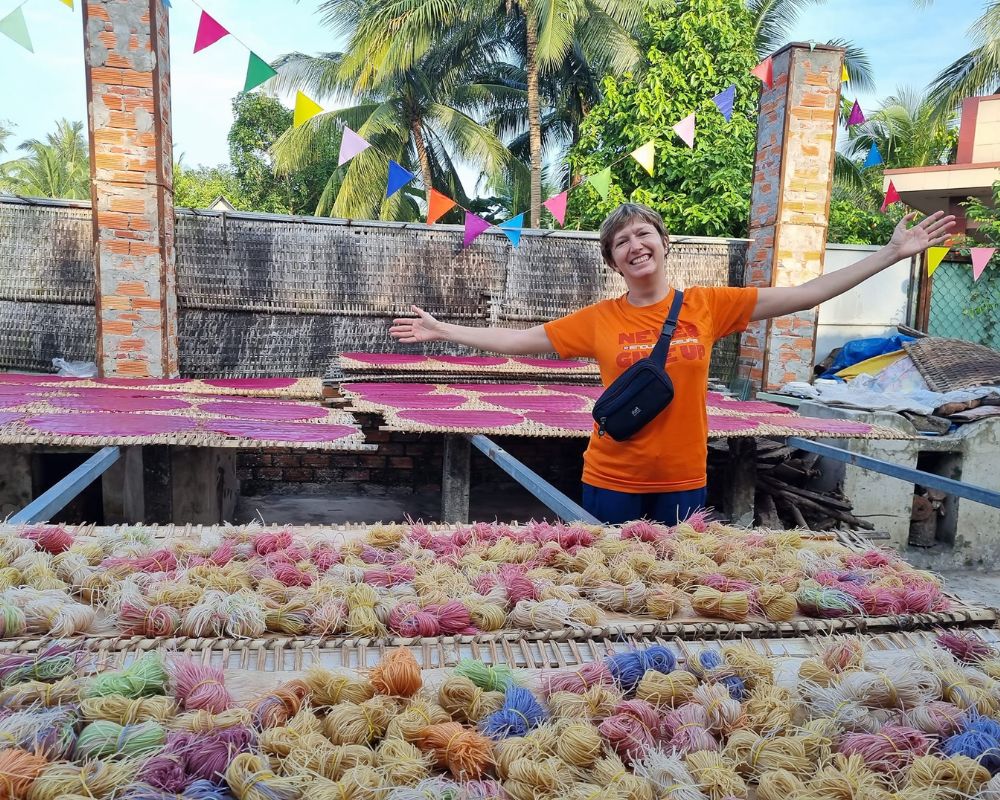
(863, 349)
(75, 369)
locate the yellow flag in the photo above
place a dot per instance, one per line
(844, 74)
(935, 255)
(646, 156)
(67, 3)
(305, 110)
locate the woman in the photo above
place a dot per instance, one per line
(660, 473)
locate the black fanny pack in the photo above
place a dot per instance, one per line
(643, 390)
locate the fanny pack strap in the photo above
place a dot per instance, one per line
(659, 354)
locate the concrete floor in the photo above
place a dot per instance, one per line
(980, 588)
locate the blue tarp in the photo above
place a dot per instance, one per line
(863, 349)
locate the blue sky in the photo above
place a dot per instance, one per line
(907, 47)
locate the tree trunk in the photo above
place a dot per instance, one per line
(534, 121)
(425, 162)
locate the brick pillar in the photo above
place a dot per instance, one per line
(131, 167)
(790, 205)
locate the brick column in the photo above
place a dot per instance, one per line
(790, 205)
(126, 47)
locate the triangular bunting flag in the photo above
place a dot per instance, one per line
(602, 182)
(557, 205)
(857, 116)
(209, 32)
(67, 3)
(646, 156)
(980, 258)
(685, 129)
(891, 196)
(724, 101)
(167, 3)
(874, 157)
(14, 27)
(512, 229)
(399, 176)
(437, 206)
(765, 72)
(845, 76)
(258, 71)
(350, 145)
(474, 226)
(935, 255)
(305, 109)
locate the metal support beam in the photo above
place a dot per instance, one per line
(52, 501)
(556, 501)
(977, 494)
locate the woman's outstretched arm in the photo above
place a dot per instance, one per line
(780, 300)
(510, 341)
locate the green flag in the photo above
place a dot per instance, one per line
(601, 181)
(258, 71)
(13, 25)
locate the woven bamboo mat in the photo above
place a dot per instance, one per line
(299, 388)
(389, 363)
(949, 365)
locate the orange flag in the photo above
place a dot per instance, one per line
(437, 206)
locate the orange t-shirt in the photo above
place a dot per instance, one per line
(670, 453)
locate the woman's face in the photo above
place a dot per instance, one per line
(638, 251)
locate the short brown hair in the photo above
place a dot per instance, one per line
(622, 216)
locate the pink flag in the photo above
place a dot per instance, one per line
(350, 145)
(857, 116)
(473, 227)
(557, 205)
(209, 32)
(685, 129)
(980, 258)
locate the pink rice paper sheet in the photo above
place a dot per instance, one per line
(110, 424)
(374, 390)
(135, 382)
(816, 424)
(251, 384)
(716, 400)
(298, 432)
(496, 388)
(386, 359)
(537, 402)
(463, 419)
(122, 402)
(23, 377)
(275, 410)
(7, 417)
(564, 420)
(718, 424)
(422, 402)
(593, 392)
(471, 361)
(553, 363)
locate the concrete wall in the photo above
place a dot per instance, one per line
(873, 309)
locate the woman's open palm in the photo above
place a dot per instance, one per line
(929, 232)
(421, 328)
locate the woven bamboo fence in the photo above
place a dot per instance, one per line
(276, 295)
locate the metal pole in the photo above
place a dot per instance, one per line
(977, 494)
(556, 501)
(52, 501)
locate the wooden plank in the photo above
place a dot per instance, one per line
(455, 480)
(741, 483)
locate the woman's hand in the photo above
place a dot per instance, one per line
(929, 232)
(422, 328)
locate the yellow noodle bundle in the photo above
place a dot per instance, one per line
(666, 690)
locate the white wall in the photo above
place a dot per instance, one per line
(872, 309)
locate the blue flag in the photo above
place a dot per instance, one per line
(398, 178)
(874, 157)
(724, 101)
(512, 229)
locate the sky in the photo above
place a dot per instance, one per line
(907, 46)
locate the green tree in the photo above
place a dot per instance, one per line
(59, 166)
(424, 118)
(259, 120)
(695, 49)
(542, 33)
(201, 186)
(977, 71)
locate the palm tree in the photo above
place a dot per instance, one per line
(978, 71)
(56, 167)
(543, 33)
(423, 117)
(774, 21)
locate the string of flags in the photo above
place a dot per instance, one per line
(980, 259)
(15, 27)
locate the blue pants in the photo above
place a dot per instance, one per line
(667, 508)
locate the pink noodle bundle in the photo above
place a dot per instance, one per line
(453, 617)
(325, 556)
(485, 581)
(634, 728)
(517, 586)
(157, 561)
(393, 576)
(289, 555)
(151, 621)
(870, 559)
(200, 687)
(842, 654)
(890, 751)
(268, 542)
(576, 681)
(923, 598)
(686, 729)
(224, 553)
(644, 531)
(50, 538)
(565, 536)
(724, 584)
(409, 619)
(291, 575)
(188, 757)
(967, 648)
(877, 601)
(375, 555)
(700, 520)
(937, 718)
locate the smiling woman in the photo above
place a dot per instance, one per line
(660, 472)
